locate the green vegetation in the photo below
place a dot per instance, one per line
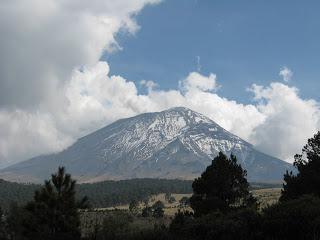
(157, 209)
(307, 180)
(134, 207)
(52, 214)
(108, 193)
(294, 219)
(184, 202)
(102, 194)
(222, 186)
(16, 192)
(222, 207)
(112, 193)
(120, 224)
(3, 232)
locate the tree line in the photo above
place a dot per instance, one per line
(225, 209)
(222, 208)
(102, 194)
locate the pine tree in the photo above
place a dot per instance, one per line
(307, 179)
(54, 211)
(222, 186)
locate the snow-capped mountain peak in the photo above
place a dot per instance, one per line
(175, 143)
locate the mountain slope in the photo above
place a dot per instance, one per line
(176, 143)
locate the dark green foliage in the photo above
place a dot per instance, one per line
(307, 180)
(3, 227)
(111, 193)
(102, 194)
(115, 225)
(295, 219)
(158, 204)
(105, 194)
(222, 186)
(180, 221)
(16, 192)
(158, 232)
(239, 224)
(16, 217)
(122, 225)
(146, 211)
(158, 211)
(134, 207)
(53, 214)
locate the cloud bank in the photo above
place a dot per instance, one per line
(54, 89)
(42, 41)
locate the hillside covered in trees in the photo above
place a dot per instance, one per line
(108, 193)
(102, 194)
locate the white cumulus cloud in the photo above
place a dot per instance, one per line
(278, 123)
(289, 120)
(54, 89)
(199, 82)
(43, 43)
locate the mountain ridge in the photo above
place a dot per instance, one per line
(175, 143)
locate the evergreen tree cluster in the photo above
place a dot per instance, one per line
(222, 186)
(218, 214)
(223, 208)
(53, 213)
(102, 194)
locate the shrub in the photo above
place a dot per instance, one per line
(295, 219)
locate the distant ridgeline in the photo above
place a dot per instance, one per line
(107, 193)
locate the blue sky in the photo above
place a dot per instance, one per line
(243, 42)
